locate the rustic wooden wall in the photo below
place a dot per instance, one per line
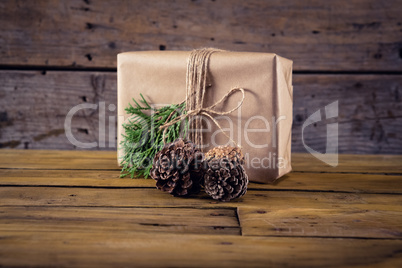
(57, 54)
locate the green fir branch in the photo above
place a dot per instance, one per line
(143, 138)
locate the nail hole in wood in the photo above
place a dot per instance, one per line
(378, 55)
(112, 45)
(83, 130)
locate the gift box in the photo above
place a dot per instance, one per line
(261, 125)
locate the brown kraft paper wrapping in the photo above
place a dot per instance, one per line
(262, 125)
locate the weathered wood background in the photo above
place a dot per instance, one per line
(57, 54)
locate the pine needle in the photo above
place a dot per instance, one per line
(143, 138)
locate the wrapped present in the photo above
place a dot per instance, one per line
(255, 113)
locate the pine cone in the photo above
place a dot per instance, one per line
(177, 168)
(225, 177)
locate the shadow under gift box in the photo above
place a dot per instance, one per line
(262, 125)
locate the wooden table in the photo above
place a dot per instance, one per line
(69, 208)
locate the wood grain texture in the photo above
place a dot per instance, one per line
(119, 220)
(88, 217)
(299, 181)
(303, 214)
(335, 222)
(338, 35)
(34, 106)
(70, 209)
(106, 160)
(33, 249)
(369, 112)
(100, 197)
(363, 164)
(56, 159)
(260, 213)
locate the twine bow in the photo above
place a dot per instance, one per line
(196, 83)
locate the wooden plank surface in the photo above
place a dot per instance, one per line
(34, 106)
(369, 110)
(56, 159)
(302, 214)
(144, 197)
(106, 249)
(52, 214)
(106, 219)
(104, 160)
(311, 222)
(337, 35)
(387, 164)
(300, 181)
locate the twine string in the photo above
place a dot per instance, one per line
(196, 84)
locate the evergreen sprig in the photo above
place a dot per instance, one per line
(143, 138)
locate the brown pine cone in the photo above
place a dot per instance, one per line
(225, 177)
(177, 168)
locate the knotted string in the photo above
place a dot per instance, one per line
(196, 84)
